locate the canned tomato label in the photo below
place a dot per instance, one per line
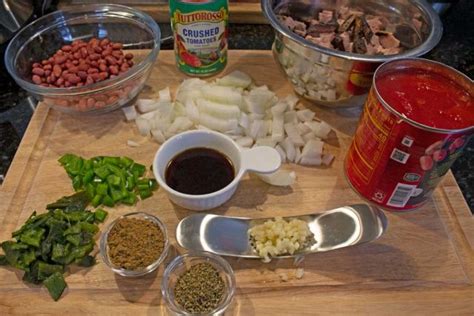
(200, 35)
(417, 119)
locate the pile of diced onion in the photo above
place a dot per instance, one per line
(251, 115)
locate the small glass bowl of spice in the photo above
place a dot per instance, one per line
(134, 244)
(198, 283)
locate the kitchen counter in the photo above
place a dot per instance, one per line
(455, 49)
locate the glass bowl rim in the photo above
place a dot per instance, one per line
(94, 10)
(219, 261)
(103, 248)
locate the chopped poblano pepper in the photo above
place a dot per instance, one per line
(55, 285)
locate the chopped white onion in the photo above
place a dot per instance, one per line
(310, 161)
(235, 79)
(327, 159)
(245, 141)
(292, 132)
(266, 141)
(218, 110)
(221, 94)
(305, 115)
(312, 149)
(250, 115)
(130, 112)
(132, 143)
(147, 105)
(279, 178)
(165, 94)
(289, 148)
(158, 136)
(143, 125)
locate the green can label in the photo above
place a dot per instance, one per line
(200, 35)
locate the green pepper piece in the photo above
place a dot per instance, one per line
(74, 166)
(77, 183)
(87, 165)
(130, 199)
(102, 188)
(67, 158)
(80, 251)
(130, 184)
(3, 260)
(60, 253)
(116, 195)
(108, 201)
(74, 229)
(18, 255)
(88, 176)
(153, 184)
(87, 261)
(33, 236)
(143, 187)
(55, 235)
(145, 193)
(96, 200)
(90, 189)
(113, 180)
(74, 239)
(77, 201)
(90, 218)
(102, 172)
(137, 168)
(100, 215)
(55, 285)
(45, 270)
(112, 160)
(125, 162)
(115, 170)
(88, 227)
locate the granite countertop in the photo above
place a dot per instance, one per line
(455, 49)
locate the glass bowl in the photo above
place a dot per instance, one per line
(138, 33)
(182, 263)
(133, 273)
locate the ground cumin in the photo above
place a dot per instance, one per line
(134, 243)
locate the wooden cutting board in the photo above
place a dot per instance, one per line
(423, 264)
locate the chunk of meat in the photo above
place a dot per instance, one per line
(346, 41)
(323, 40)
(316, 29)
(375, 24)
(325, 16)
(293, 24)
(390, 51)
(387, 40)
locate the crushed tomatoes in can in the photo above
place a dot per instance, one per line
(417, 119)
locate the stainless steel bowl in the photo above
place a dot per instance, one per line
(342, 79)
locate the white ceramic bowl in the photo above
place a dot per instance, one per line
(259, 159)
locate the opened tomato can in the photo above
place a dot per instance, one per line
(418, 117)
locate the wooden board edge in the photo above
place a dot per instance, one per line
(21, 162)
(240, 13)
(458, 221)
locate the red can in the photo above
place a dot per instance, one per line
(417, 119)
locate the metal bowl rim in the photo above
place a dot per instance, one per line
(436, 31)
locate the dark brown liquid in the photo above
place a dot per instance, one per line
(199, 171)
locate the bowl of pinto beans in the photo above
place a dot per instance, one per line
(89, 60)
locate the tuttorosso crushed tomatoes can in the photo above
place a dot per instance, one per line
(418, 117)
(200, 30)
